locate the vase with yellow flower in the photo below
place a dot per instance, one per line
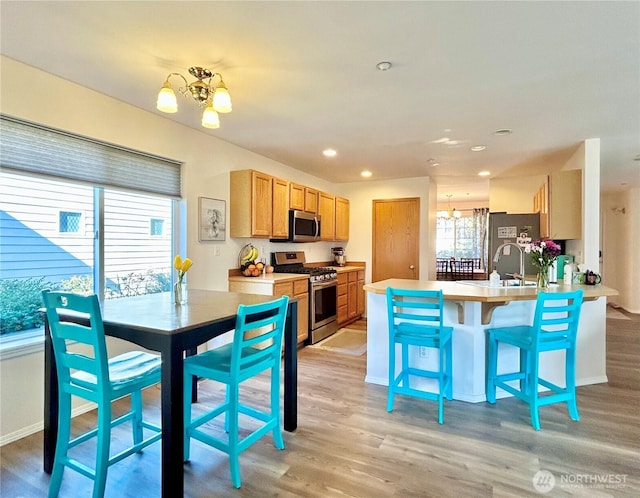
(180, 287)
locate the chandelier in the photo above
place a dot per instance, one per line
(212, 100)
(449, 213)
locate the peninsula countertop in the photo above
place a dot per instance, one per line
(474, 290)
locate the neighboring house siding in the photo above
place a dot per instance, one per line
(31, 244)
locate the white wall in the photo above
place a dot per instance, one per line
(207, 163)
(513, 195)
(361, 196)
(621, 247)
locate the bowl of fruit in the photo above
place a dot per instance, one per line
(250, 265)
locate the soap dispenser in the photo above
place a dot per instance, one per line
(494, 278)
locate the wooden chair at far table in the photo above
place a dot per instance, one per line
(91, 375)
(256, 347)
(462, 269)
(415, 319)
(555, 325)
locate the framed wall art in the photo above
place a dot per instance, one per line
(212, 224)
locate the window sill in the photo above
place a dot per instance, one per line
(23, 344)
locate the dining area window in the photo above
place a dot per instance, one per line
(463, 238)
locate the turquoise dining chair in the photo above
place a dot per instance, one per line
(555, 326)
(84, 370)
(256, 347)
(415, 319)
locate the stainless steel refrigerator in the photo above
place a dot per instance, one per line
(505, 227)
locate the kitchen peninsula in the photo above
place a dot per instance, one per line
(470, 308)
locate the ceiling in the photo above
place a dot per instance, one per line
(303, 77)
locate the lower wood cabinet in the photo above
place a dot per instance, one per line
(292, 288)
(350, 304)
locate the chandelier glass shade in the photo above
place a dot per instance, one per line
(449, 213)
(212, 99)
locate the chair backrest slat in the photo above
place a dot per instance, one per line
(85, 333)
(556, 317)
(257, 341)
(414, 306)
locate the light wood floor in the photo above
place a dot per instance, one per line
(348, 445)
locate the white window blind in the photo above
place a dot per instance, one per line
(26, 146)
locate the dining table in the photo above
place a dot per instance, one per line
(156, 323)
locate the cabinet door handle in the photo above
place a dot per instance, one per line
(411, 267)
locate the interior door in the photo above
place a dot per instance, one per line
(396, 238)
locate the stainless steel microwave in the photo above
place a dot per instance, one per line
(303, 227)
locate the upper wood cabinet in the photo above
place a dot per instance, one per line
(342, 219)
(559, 202)
(326, 210)
(311, 200)
(280, 209)
(296, 196)
(250, 204)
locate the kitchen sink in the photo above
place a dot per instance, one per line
(503, 283)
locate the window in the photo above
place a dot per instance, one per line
(56, 184)
(156, 227)
(462, 237)
(69, 222)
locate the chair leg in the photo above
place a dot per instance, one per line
(532, 373)
(392, 375)
(232, 417)
(492, 361)
(136, 421)
(524, 370)
(449, 366)
(405, 365)
(278, 440)
(102, 453)
(570, 383)
(187, 415)
(62, 444)
(441, 385)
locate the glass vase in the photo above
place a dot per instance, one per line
(180, 293)
(543, 277)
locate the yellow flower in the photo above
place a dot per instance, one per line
(181, 266)
(186, 264)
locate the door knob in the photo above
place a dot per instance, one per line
(411, 267)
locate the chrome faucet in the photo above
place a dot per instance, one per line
(496, 258)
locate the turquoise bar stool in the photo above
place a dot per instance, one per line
(256, 347)
(555, 326)
(415, 319)
(85, 371)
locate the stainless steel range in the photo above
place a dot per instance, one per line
(323, 287)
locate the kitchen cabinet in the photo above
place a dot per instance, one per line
(342, 219)
(326, 210)
(250, 204)
(296, 196)
(360, 295)
(300, 289)
(280, 209)
(292, 287)
(559, 202)
(350, 305)
(311, 200)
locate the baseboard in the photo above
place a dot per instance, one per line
(38, 427)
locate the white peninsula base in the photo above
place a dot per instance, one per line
(469, 337)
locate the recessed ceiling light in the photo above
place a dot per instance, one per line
(503, 132)
(383, 66)
(478, 148)
(484, 173)
(366, 173)
(329, 153)
(452, 142)
(442, 140)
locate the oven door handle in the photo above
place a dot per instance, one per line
(323, 285)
